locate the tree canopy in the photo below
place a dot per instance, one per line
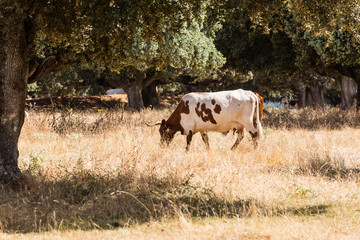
(38, 37)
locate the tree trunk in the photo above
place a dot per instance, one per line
(348, 91)
(317, 95)
(134, 95)
(150, 96)
(309, 101)
(13, 80)
(302, 95)
(358, 95)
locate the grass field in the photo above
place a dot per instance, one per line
(103, 175)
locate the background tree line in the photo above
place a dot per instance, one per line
(279, 58)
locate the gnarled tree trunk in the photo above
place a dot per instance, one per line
(302, 95)
(348, 91)
(135, 99)
(313, 95)
(150, 96)
(358, 95)
(316, 95)
(13, 80)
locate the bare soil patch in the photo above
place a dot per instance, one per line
(79, 102)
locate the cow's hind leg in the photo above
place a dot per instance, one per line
(255, 138)
(205, 138)
(255, 132)
(188, 140)
(240, 136)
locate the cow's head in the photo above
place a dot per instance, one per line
(166, 132)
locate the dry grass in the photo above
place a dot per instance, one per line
(308, 118)
(105, 169)
(317, 227)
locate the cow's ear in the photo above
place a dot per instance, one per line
(163, 122)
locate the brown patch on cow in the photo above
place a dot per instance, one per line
(217, 109)
(205, 113)
(197, 110)
(213, 101)
(185, 109)
(173, 123)
(254, 135)
(261, 106)
(203, 107)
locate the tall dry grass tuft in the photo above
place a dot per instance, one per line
(106, 169)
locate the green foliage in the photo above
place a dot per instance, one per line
(291, 38)
(35, 161)
(69, 82)
(341, 50)
(268, 55)
(317, 17)
(11, 11)
(167, 36)
(270, 38)
(191, 50)
(114, 34)
(173, 88)
(299, 192)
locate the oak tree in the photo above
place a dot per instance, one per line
(37, 37)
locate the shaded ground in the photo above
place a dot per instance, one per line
(86, 201)
(79, 102)
(92, 102)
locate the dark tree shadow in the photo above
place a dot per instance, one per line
(88, 201)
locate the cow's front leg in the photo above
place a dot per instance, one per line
(188, 140)
(205, 138)
(240, 136)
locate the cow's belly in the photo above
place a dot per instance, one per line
(217, 128)
(198, 125)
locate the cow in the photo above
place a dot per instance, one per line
(214, 111)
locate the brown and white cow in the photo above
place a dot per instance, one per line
(214, 111)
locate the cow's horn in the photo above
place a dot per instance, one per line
(152, 125)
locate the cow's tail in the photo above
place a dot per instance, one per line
(257, 117)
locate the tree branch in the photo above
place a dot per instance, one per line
(150, 79)
(37, 71)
